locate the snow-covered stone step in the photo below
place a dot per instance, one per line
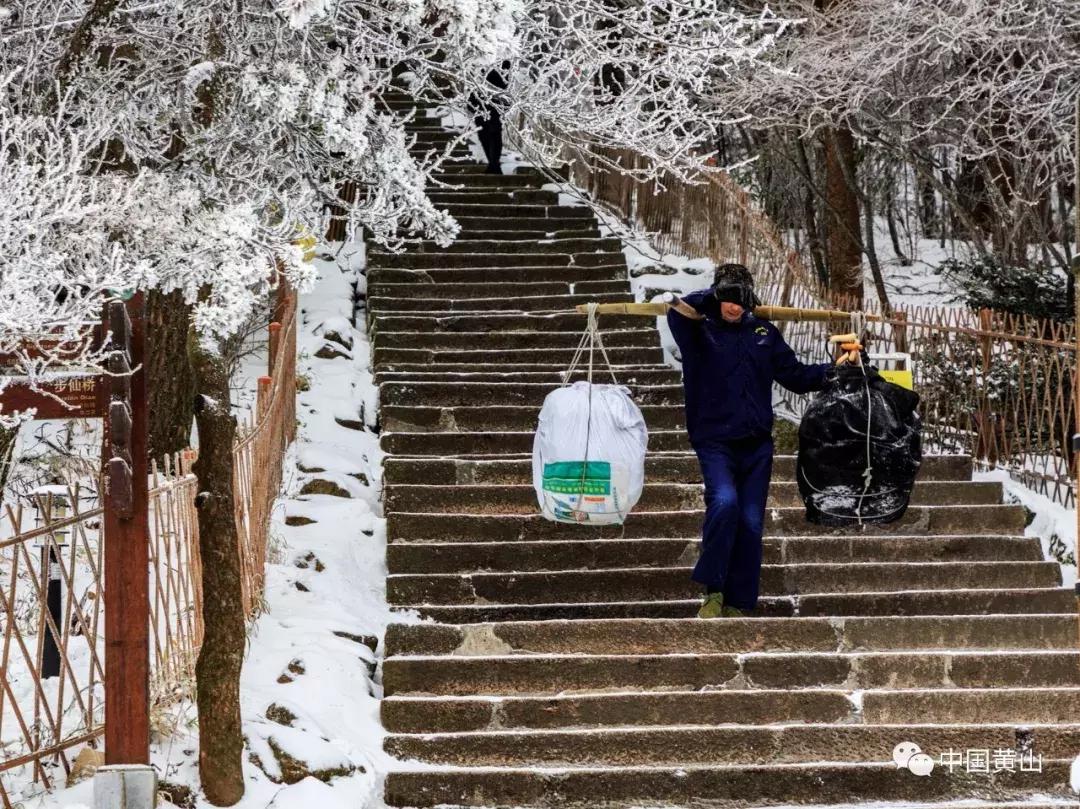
(504, 393)
(496, 357)
(495, 289)
(637, 584)
(419, 714)
(522, 211)
(568, 322)
(477, 167)
(523, 224)
(503, 498)
(405, 104)
(523, 674)
(436, 307)
(485, 273)
(659, 466)
(474, 275)
(952, 519)
(426, 124)
(686, 636)
(533, 258)
(460, 180)
(489, 340)
(735, 743)
(431, 152)
(739, 710)
(715, 786)
(416, 418)
(660, 375)
(597, 554)
(506, 370)
(486, 445)
(495, 246)
(975, 601)
(484, 196)
(543, 234)
(460, 149)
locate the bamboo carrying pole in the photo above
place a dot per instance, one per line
(763, 312)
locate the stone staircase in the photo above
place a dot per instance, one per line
(565, 666)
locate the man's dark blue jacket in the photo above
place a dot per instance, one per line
(729, 369)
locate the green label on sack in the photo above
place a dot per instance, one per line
(578, 477)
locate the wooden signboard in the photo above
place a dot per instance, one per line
(81, 397)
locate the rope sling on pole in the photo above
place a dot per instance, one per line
(594, 340)
(600, 482)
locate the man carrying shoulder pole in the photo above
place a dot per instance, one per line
(730, 359)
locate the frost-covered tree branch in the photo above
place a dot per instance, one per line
(974, 98)
(186, 146)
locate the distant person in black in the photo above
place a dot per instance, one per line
(489, 120)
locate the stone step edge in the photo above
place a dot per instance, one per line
(861, 653)
(519, 456)
(641, 730)
(761, 693)
(539, 543)
(673, 513)
(414, 766)
(793, 597)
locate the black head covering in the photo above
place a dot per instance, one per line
(735, 284)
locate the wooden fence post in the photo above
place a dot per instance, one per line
(126, 542)
(274, 345)
(262, 396)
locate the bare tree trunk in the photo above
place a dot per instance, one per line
(872, 257)
(842, 221)
(894, 234)
(810, 222)
(171, 381)
(928, 211)
(217, 671)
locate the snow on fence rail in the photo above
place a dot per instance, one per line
(52, 616)
(997, 386)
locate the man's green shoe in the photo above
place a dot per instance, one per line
(712, 606)
(729, 611)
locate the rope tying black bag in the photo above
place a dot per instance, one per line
(847, 474)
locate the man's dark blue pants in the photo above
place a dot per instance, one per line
(736, 475)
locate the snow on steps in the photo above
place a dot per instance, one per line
(564, 667)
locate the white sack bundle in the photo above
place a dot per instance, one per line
(589, 454)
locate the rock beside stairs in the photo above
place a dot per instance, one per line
(564, 666)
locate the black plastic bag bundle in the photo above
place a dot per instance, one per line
(833, 449)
